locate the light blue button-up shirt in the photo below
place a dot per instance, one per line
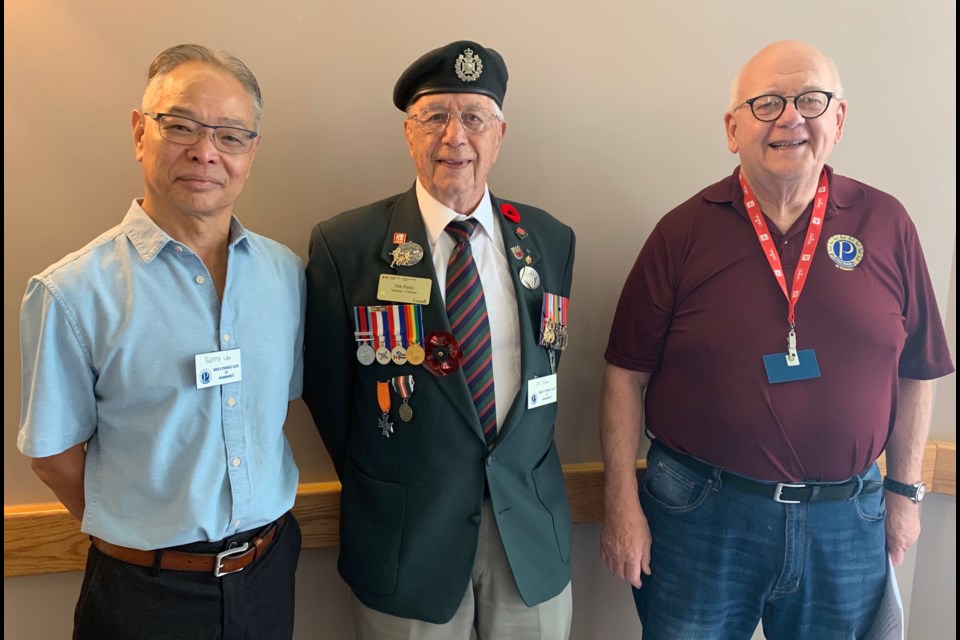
(109, 336)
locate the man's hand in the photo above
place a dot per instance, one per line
(903, 526)
(625, 541)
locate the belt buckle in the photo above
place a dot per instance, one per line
(218, 568)
(786, 485)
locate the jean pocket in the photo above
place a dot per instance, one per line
(674, 486)
(871, 506)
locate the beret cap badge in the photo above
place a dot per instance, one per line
(463, 66)
(469, 66)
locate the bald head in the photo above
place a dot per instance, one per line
(782, 61)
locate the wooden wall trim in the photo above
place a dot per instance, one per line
(44, 538)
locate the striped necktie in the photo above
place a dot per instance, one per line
(467, 311)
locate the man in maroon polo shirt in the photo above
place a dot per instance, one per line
(780, 330)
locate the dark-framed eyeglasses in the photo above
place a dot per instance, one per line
(769, 107)
(473, 119)
(183, 130)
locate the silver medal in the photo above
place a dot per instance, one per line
(365, 354)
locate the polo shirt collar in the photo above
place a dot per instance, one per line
(843, 193)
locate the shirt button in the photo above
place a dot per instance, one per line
(236, 523)
(199, 279)
(231, 401)
(235, 462)
(178, 248)
(226, 337)
(475, 518)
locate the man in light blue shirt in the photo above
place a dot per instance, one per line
(158, 363)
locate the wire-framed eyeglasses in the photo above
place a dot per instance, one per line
(473, 119)
(184, 130)
(769, 107)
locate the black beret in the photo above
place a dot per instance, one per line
(459, 67)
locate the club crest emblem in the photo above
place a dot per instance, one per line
(845, 251)
(468, 66)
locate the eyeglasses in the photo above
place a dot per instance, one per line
(769, 107)
(473, 119)
(182, 130)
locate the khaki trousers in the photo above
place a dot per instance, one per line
(492, 608)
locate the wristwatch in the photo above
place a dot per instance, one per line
(914, 491)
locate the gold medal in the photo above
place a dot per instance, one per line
(415, 354)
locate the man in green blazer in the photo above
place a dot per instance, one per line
(435, 323)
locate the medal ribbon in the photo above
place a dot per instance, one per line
(809, 245)
(360, 321)
(398, 325)
(383, 397)
(413, 319)
(403, 386)
(378, 323)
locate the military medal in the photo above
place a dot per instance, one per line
(415, 354)
(517, 252)
(407, 254)
(378, 325)
(365, 354)
(383, 399)
(409, 320)
(403, 386)
(397, 333)
(363, 336)
(553, 325)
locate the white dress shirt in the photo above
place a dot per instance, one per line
(491, 260)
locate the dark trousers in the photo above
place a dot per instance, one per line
(121, 601)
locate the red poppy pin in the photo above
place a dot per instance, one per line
(510, 212)
(443, 353)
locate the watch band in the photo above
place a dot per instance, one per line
(914, 491)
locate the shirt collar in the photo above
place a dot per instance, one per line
(149, 239)
(437, 216)
(844, 193)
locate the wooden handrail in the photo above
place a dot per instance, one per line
(44, 538)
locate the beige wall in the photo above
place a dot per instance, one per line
(615, 111)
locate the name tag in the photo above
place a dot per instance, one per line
(404, 289)
(779, 369)
(218, 367)
(541, 391)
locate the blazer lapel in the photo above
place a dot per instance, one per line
(529, 304)
(406, 219)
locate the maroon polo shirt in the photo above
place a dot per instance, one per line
(701, 307)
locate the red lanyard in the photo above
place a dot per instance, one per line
(809, 245)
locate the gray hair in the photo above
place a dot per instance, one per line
(182, 54)
(735, 84)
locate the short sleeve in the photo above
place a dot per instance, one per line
(58, 408)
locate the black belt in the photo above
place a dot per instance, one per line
(785, 492)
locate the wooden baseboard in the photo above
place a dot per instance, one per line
(44, 538)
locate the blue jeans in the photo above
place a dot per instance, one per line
(722, 560)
